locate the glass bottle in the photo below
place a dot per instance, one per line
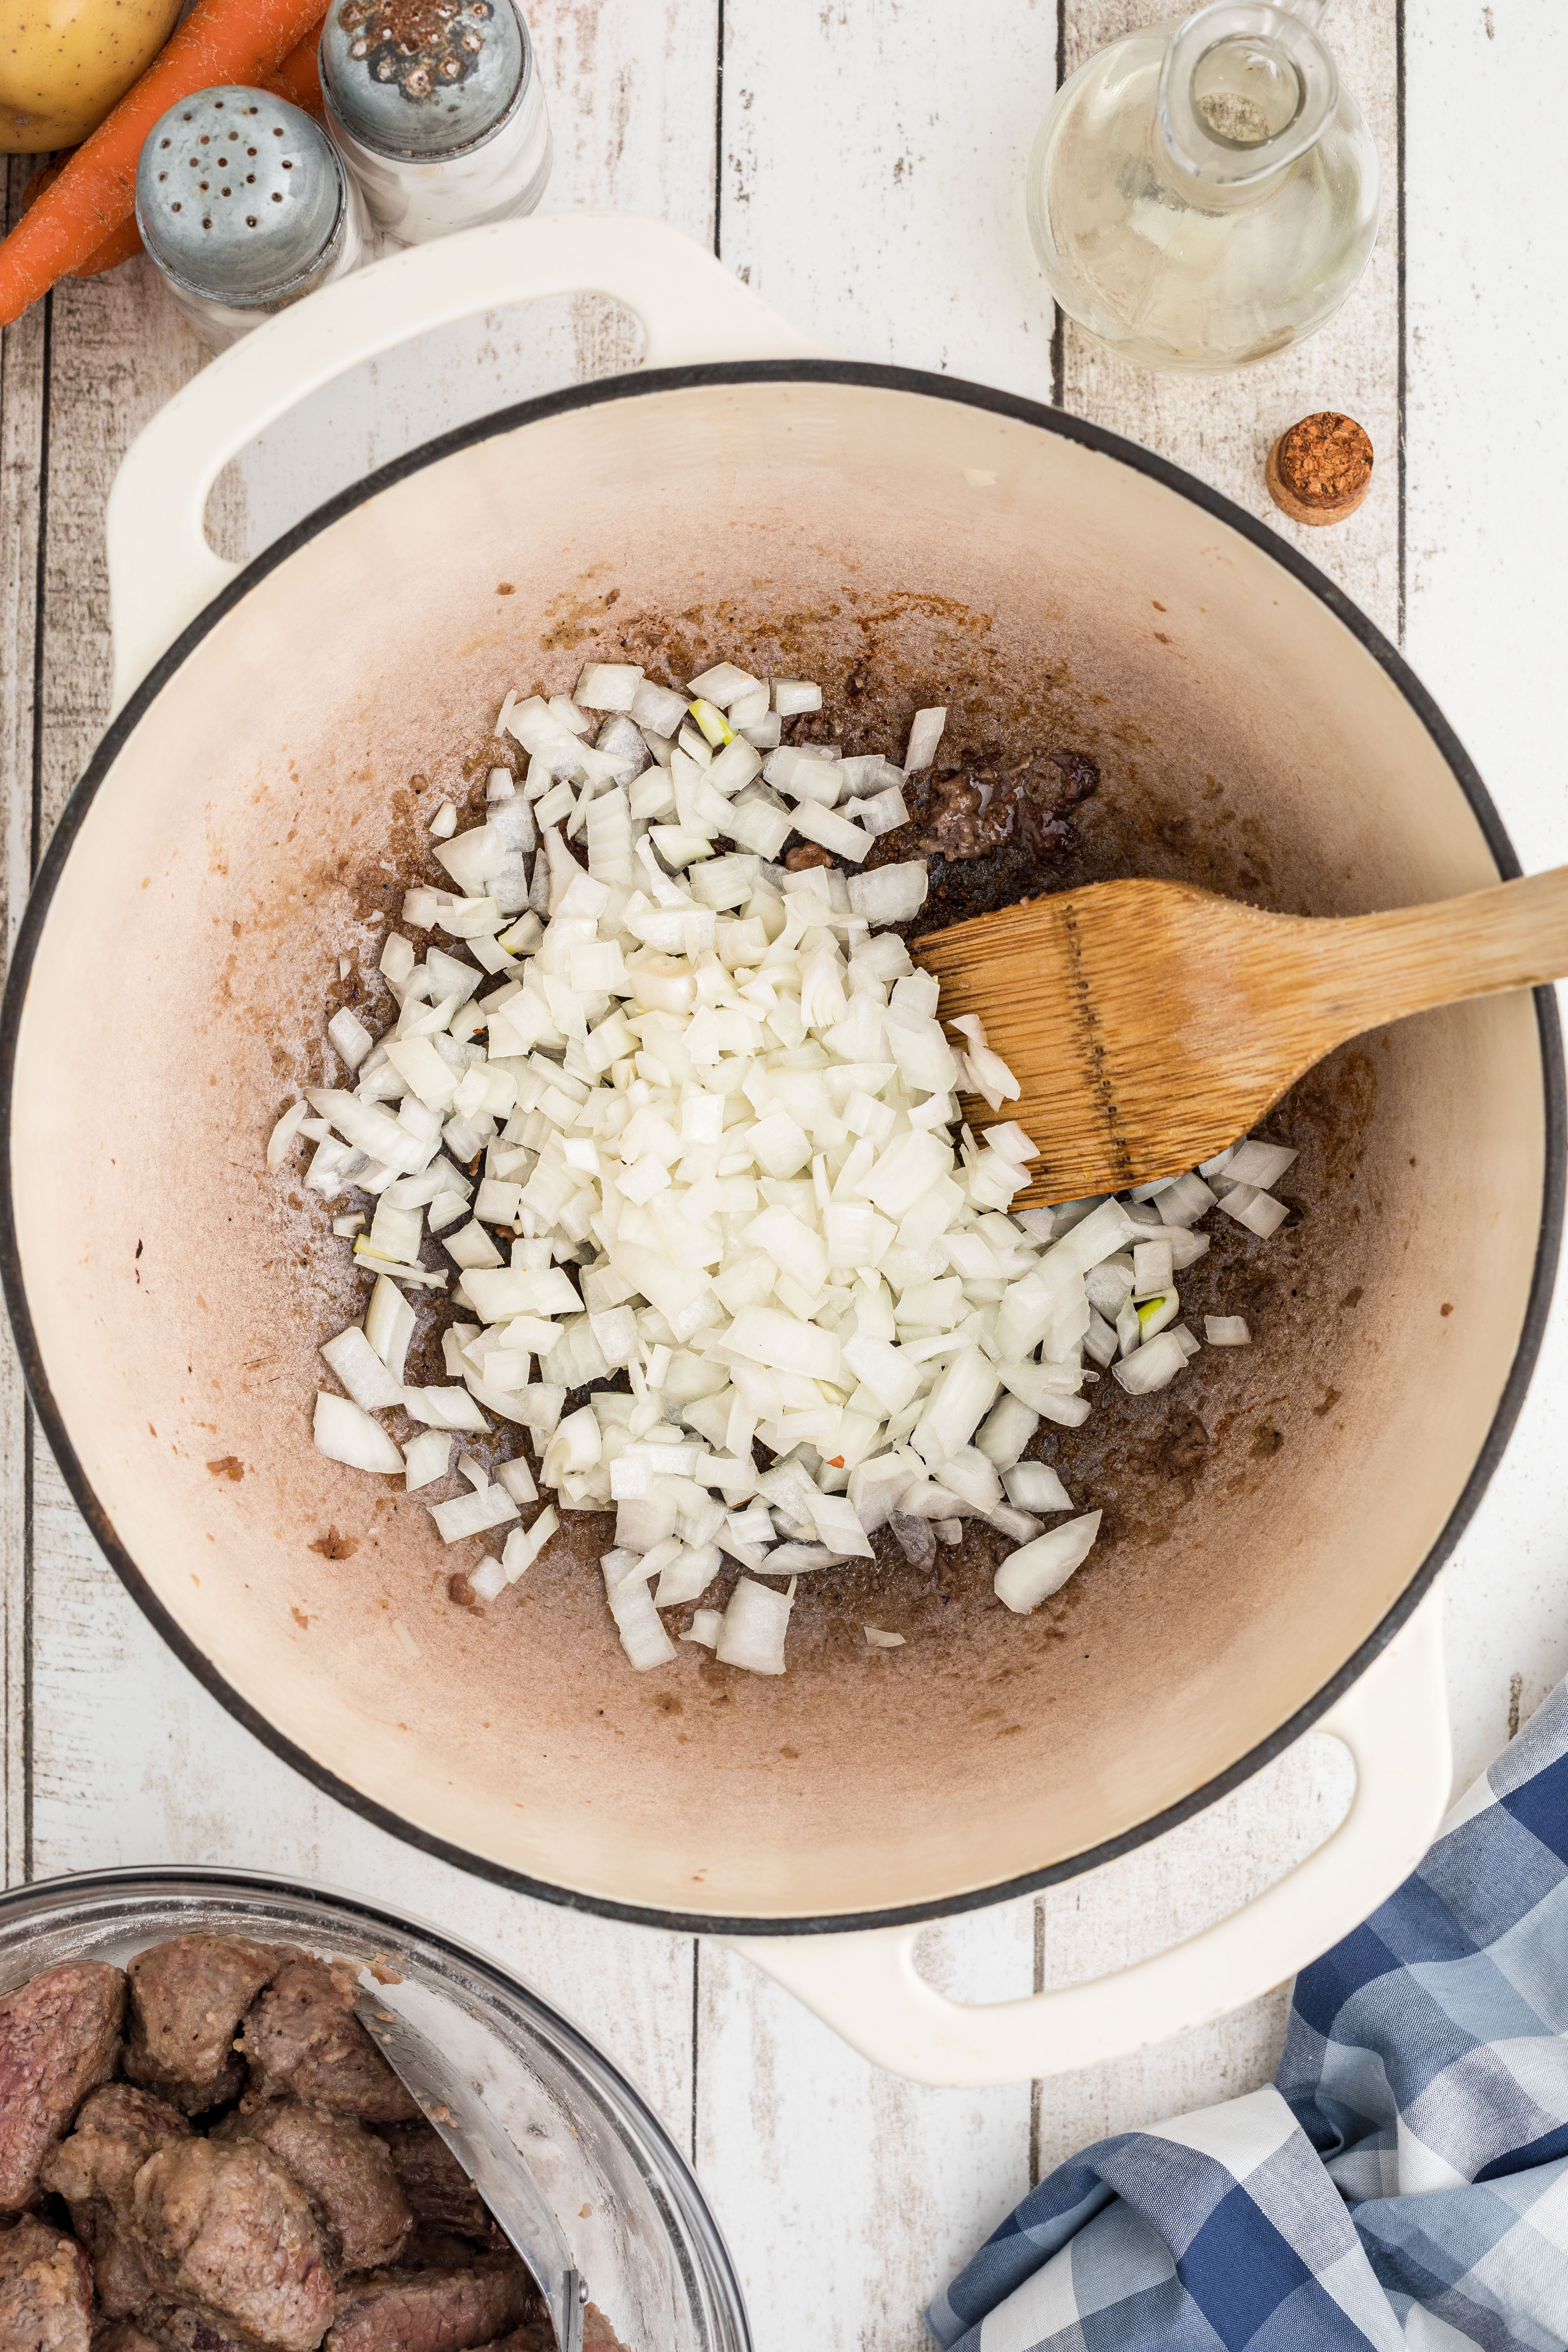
(439, 111)
(1202, 195)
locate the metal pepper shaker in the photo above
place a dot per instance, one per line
(436, 105)
(244, 204)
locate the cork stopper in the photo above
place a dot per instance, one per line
(1321, 470)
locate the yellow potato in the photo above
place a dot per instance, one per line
(64, 63)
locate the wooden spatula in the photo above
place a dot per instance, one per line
(1150, 1024)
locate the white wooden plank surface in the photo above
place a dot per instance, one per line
(846, 2195)
(1488, 618)
(867, 180)
(22, 431)
(872, 186)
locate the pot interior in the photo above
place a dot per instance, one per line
(260, 819)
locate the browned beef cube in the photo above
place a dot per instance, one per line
(187, 1998)
(116, 2131)
(438, 2188)
(437, 2250)
(124, 2336)
(539, 2335)
(598, 2336)
(304, 2039)
(346, 2172)
(58, 2036)
(227, 2233)
(535, 2335)
(173, 2328)
(45, 2290)
(434, 2311)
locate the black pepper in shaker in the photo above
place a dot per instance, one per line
(437, 109)
(244, 206)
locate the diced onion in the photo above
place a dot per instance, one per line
(389, 1325)
(523, 1545)
(1151, 1269)
(1153, 1366)
(643, 1637)
(752, 1632)
(487, 1580)
(607, 685)
(1259, 1164)
(350, 1036)
(925, 734)
(688, 1122)
(1035, 1486)
(345, 1433)
(284, 1133)
(1032, 1574)
(361, 1371)
(426, 1458)
(889, 894)
(472, 1514)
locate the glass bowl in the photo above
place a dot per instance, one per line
(638, 2226)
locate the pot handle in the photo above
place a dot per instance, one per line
(162, 571)
(1394, 1720)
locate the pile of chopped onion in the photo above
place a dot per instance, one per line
(723, 1156)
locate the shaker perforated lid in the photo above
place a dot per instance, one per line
(422, 78)
(237, 194)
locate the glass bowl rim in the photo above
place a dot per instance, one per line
(664, 2170)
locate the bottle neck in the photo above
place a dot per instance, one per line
(1246, 90)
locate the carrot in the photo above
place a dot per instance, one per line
(220, 41)
(297, 79)
(121, 245)
(44, 177)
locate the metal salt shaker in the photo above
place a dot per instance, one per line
(245, 205)
(437, 107)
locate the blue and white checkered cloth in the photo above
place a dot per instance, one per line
(1403, 2185)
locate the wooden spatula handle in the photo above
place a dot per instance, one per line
(1377, 968)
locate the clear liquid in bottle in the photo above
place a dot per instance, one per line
(1203, 194)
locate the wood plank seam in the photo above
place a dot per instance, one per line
(1037, 2088)
(35, 851)
(719, 133)
(1058, 320)
(1058, 400)
(696, 2034)
(1402, 359)
(35, 823)
(23, 375)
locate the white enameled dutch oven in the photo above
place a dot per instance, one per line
(241, 826)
